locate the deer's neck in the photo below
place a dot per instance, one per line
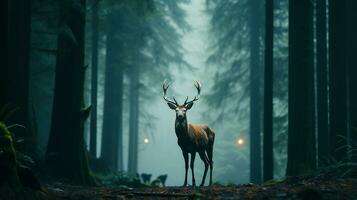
(181, 128)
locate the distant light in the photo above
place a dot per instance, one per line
(240, 141)
(146, 141)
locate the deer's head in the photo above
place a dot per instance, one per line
(181, 109)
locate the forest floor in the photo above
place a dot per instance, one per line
(313, 187)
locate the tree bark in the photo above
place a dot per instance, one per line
(337, 79)
(16, 74)
(322, 97)
(66, 154)
(134, 121)
(268, 168)
(113, 109)
(352, 74)
(255, 94)
(3, 52)
(94, 81)
(301, 142)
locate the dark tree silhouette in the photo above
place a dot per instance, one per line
(134, 120)
(337, 79)
(66, 153)
(301, 142)
(255, 92)
(15, 71)
(321, 70)
(94, 80)
(134, 72)
(268, 160)
(3, 52)
(113, 92)
(352, 73)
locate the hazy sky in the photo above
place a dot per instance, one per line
(163, 155)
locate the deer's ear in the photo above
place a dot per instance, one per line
(189, 105)
(171, 105)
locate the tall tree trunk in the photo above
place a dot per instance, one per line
(113, 94)
(337, 79)
(352, 73)
(66, 153)
(322, 97)
(268, 168)
(16, 74)
(255, 94)
(301, 142)
(94, 81)
(3, 52)
(134, 121)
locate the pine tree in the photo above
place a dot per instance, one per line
(66, 154)
(321, 70)
(16, 70)
(94, 79)
(268, 160)
(301, 89)
(337, 80)
(255, 93)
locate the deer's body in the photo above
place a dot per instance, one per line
(192, 138)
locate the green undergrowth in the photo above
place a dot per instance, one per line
(122, 179)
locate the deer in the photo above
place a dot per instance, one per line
(192, 138)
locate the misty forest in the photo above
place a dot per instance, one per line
(178, 99)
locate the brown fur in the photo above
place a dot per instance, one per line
(202, 134)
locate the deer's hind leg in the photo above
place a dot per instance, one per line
(210, 160)
(205, 161)
(209, 151)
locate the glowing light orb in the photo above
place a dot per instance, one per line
(240, 141)
(146, 141)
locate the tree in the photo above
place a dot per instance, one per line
(113, 91)
(321, 75)
(16, 69)
(237, 80)
(66, 153)
(268, 92)
(44, 32)
(301, 141)
(352, 72)
(337, 80)
(94, 80)
(3, 53)
(255, 92)
(134, 120)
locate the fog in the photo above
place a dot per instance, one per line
(163, 155)
(181, 42)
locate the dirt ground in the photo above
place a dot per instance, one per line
(314, 188)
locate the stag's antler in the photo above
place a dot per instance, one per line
(165, 86)
(198, 87)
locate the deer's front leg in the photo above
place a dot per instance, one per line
(185, 156)
(193, 156)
